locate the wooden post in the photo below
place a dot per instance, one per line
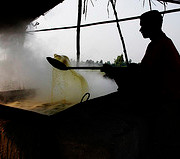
(78, 40)
(120, 33)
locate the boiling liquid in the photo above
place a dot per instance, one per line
(67, 86)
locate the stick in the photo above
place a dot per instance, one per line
(120, 33)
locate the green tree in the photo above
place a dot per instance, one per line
(119, 61)
(101, 62)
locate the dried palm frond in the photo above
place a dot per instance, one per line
(163, 3)
(85, 6)
(150, 2)
(109, 1)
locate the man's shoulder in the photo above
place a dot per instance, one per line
(167, 40)
(165, 43)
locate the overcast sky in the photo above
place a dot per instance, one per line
(100, 42)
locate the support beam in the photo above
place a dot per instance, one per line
(120, 32)
(102, 22)
(78, 36)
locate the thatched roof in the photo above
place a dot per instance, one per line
(17, 11)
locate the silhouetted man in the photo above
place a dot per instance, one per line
(161, 63)
(160, 71)
(157, 81)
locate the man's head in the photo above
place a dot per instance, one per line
(151, 23)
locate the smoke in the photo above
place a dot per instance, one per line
(98, 84)
(23, 65)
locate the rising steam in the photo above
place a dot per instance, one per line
(23, 66)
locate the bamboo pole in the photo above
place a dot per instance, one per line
(120, 32)
(150, 6)
(78, 40)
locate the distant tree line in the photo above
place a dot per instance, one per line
(118, 62)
